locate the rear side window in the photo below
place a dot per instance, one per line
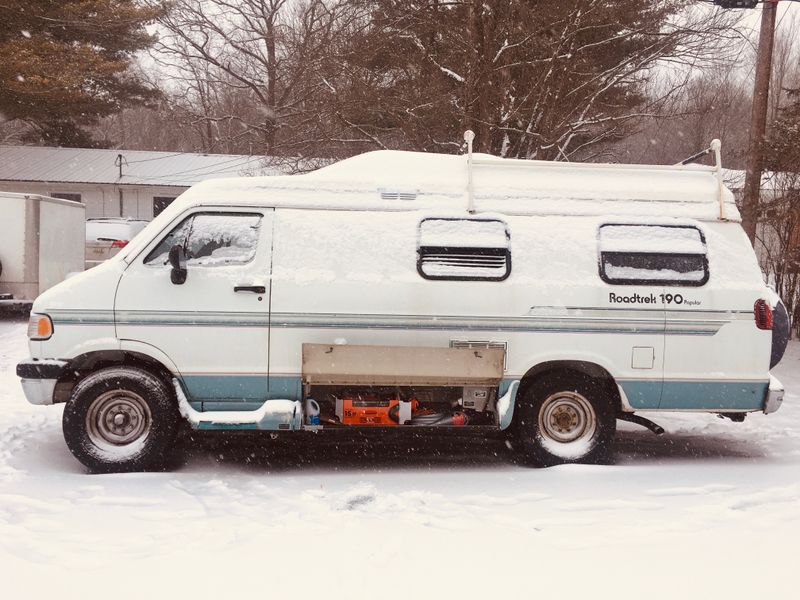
(653, 255)
(463, 249)
(211, 240)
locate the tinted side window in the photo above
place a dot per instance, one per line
(464, 249)
(653, 255)
(211, 239)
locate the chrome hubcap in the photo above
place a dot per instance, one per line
(118, 418)
(567, 417)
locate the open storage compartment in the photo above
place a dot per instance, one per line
(401, 386)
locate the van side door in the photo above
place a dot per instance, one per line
(214, 327)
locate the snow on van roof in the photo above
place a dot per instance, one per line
(391, 180)
(397, 180)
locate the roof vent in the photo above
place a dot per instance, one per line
(395, 194)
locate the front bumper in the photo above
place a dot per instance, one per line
(774, 397)
(39, 379)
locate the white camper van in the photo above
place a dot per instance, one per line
(400, 291)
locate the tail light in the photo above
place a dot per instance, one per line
(119, 243)
(763, 314)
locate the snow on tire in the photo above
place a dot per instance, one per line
(120, 419)
(565, 417)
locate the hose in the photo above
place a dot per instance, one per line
(458, 419)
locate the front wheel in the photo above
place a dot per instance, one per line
(566, 417)
(120, 419)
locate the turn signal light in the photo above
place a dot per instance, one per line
(40, 327)
(763, 314)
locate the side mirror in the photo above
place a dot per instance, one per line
(177, 258)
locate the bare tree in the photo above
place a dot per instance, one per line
(247, 72)
(785, 74)
(712, 104)
(538, 79)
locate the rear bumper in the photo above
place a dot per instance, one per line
(774, 397)
(39, 379)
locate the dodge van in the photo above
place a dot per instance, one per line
(402, 291)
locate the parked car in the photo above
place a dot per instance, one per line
(106, 237)
(407, 292)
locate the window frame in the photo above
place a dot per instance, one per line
(150, 249)
(644, 281)
(479, 251)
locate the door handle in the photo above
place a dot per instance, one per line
(256, 289)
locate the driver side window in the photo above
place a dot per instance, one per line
(211, 240)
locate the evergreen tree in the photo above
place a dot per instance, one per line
(532, 78)
(64, 64)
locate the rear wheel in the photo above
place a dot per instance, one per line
(565, 417)
(120, 419)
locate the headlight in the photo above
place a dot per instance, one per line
(40, 327)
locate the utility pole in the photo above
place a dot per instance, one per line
(758, 120)
(118, 162)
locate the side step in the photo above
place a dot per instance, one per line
(273, 415)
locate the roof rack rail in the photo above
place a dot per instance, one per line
(694, 157)
(716, 147)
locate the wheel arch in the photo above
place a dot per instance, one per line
(591, 369)
(133, 354)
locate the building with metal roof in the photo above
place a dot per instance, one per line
(113, 183)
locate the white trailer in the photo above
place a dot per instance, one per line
(42, 240)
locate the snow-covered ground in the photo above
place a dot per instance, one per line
(709, 510)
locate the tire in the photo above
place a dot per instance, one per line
(781, 332)
(120, 419)
(566, 417)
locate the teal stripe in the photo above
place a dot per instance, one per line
(643, 394)
(594, 321)
(288, 386)
(226, 387)
(238, 392)
(227, 426)
(713, 395)
(695, 395)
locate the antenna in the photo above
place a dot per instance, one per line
(716, 148)
(469, 136)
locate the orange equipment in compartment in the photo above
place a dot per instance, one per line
(372, 410)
